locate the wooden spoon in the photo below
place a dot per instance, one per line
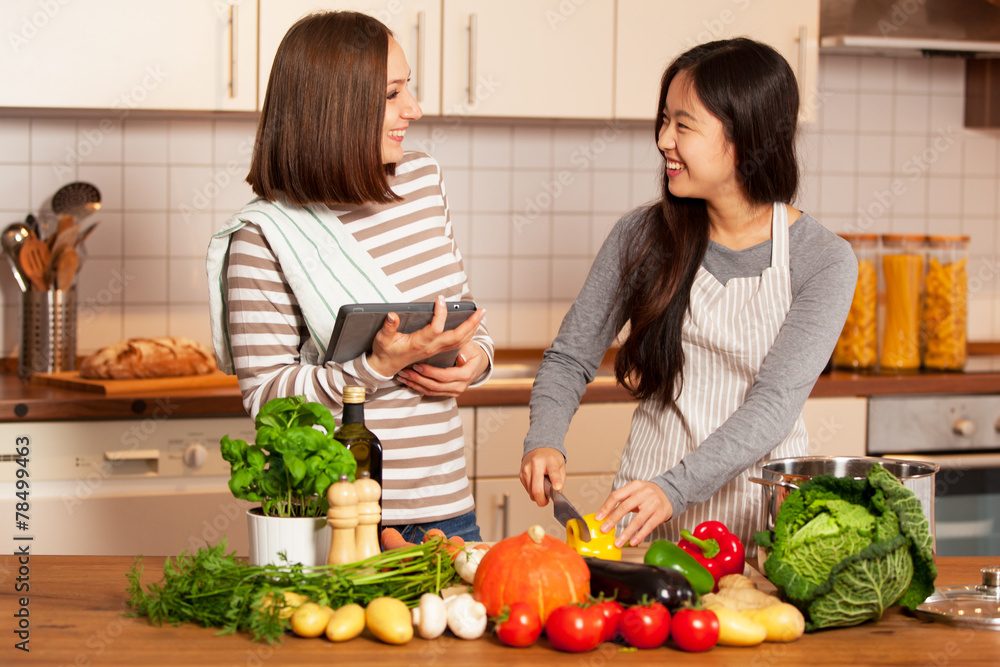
(34, 259)
(69, 260)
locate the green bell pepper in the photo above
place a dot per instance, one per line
(665, 553)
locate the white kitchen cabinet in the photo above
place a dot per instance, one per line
(594, 444)
(652, 32)
(125, 55)
(415, 23)
(837, 426)
(528, 58)
(503, 508)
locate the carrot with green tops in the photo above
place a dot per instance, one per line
(393, 539)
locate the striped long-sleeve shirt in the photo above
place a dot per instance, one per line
(424, 468)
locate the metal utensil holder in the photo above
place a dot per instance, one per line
(48, 332)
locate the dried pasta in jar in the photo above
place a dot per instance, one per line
(946, 297)
(857, 346)
(903, 273)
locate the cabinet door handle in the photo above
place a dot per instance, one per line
(505, 516)
(233, 51)
(421, 16)
(473, 45)
(803, 35)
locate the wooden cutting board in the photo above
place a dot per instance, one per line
(72, 380)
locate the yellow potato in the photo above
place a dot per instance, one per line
(346, 623)
(311, 619)
(389, 620)
(736, 628)
(783, 622)
(292, 601)
(736, 581)
(745, 598)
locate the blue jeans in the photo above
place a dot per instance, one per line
(463, 526)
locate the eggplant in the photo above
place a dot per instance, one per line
(629, 583)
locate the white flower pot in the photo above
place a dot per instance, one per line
(303, 540)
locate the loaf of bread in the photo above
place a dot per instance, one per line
(171, 356)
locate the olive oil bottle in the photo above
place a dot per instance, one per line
(353, 434)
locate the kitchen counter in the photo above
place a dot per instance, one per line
(511, 385)
(75, 608)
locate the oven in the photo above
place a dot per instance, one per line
(121, 487)
(961, 434)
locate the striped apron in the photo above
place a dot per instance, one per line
(726, 336)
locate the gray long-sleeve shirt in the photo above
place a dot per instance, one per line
(824, 273)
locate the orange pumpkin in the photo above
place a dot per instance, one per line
(533, 568)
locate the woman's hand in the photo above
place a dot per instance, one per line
(433, 381)
(536, 465)
(646, 500)
(393, 351)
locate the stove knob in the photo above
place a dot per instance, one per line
(195, 456)
(964, 427)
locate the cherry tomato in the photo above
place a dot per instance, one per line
(521, 627)
(645, 626)
(612, 612)
(695, 629)
(575, 629)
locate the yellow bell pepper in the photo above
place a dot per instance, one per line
(601, 545)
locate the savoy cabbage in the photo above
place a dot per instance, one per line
(844, 550)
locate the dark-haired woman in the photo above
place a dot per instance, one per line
(343, 216)
(733, 301)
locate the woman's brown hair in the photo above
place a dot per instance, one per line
(319, 138)
(751, 89)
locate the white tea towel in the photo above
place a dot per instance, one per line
(322, 262)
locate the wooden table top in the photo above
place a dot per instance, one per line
(75, 608)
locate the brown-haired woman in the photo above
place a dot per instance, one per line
(344, 216)
(734, 301)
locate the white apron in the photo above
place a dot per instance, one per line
(725, 337)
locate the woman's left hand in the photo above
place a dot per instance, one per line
(433, 381)
(646, 500)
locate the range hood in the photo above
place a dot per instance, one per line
(958, 28)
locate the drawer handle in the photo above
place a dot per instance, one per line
(133, 455)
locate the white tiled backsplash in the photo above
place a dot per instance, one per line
(531, 200)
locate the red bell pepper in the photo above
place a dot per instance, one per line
(712, 545)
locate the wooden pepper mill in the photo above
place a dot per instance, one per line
(369, 514)
(343, 519)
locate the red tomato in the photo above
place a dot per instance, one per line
(645, 626)
(521, 627)
(695, 629)
(575, 629)
(612, 612)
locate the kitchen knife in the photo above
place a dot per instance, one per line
(564, 510)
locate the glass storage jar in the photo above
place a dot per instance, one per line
(902, 277)
(946, 299)
(857, 347)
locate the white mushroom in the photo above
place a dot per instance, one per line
(430, 616)
(466, 617)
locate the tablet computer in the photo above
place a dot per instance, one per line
(357, 323)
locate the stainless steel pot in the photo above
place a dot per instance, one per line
(782, 476)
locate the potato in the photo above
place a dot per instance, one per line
(736, 581)
(783, 622)
(310, 619)
(736, 628)
(389, 620)
(745, 598)
(346, 623)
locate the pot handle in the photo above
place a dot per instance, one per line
(774, 482)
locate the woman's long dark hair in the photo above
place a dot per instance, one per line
(751, 89)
